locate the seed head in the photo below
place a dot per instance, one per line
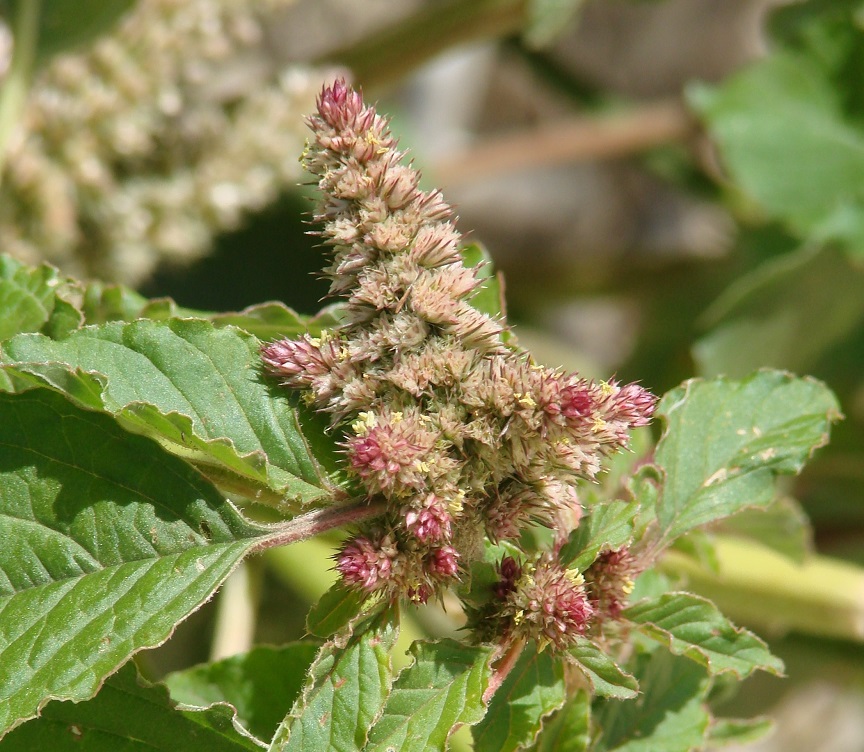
(456, 432)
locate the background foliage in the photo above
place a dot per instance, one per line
(767, 149)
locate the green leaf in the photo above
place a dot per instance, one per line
(130, 715)
(199, 391)
(670, 714)
(649, 584)
(693, 627)
(698, 545)
(334, 610)
(533, 689)
(267, 321)
(787, 313)
(261, 684)
(443, 688)
(103, 302)
(607, 527)
(346, 690)
(757, 585)
(64, 24)
(737, 731)
(785, 141)
(34, 299)
(782, 526)
(827, 32)
(489, 296)
(477, 588)
(725, 441)
(569, 730)
(108, 542)
(606, 678)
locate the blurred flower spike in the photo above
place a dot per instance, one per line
(461, 435)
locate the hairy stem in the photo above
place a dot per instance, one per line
(13, 95)
(317, 522)
(503, 667)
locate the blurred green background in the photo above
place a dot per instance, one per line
(671, 189)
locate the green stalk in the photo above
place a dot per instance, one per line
(756, 585)
(13, 95)
(237, 611)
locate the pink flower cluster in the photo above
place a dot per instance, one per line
(610, 582)
(541, 600)
(461, 435)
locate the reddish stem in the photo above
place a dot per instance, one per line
(503, 668)
(317, 522)
(575, 139)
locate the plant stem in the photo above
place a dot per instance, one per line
(576, 139)
(13, 95)
(503, 667)
(388, 55)
(317, 522)
(757, 585)
(237, 609)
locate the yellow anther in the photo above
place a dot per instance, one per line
(526, 400)
(364, 422)
(457, 503)
(575, 577)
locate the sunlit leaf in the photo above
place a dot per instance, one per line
(441, 689)
(34, 299)
(261, 684)
(198, 390)
(606, 678)
(789, 147)
(692, 626)
(607, 527)
(345, 692)
(726, 441)
(130, 715)
(267, 321)
(670, 714)
(108, 542)
(533, 689)
(489, 297)
(333, 610)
